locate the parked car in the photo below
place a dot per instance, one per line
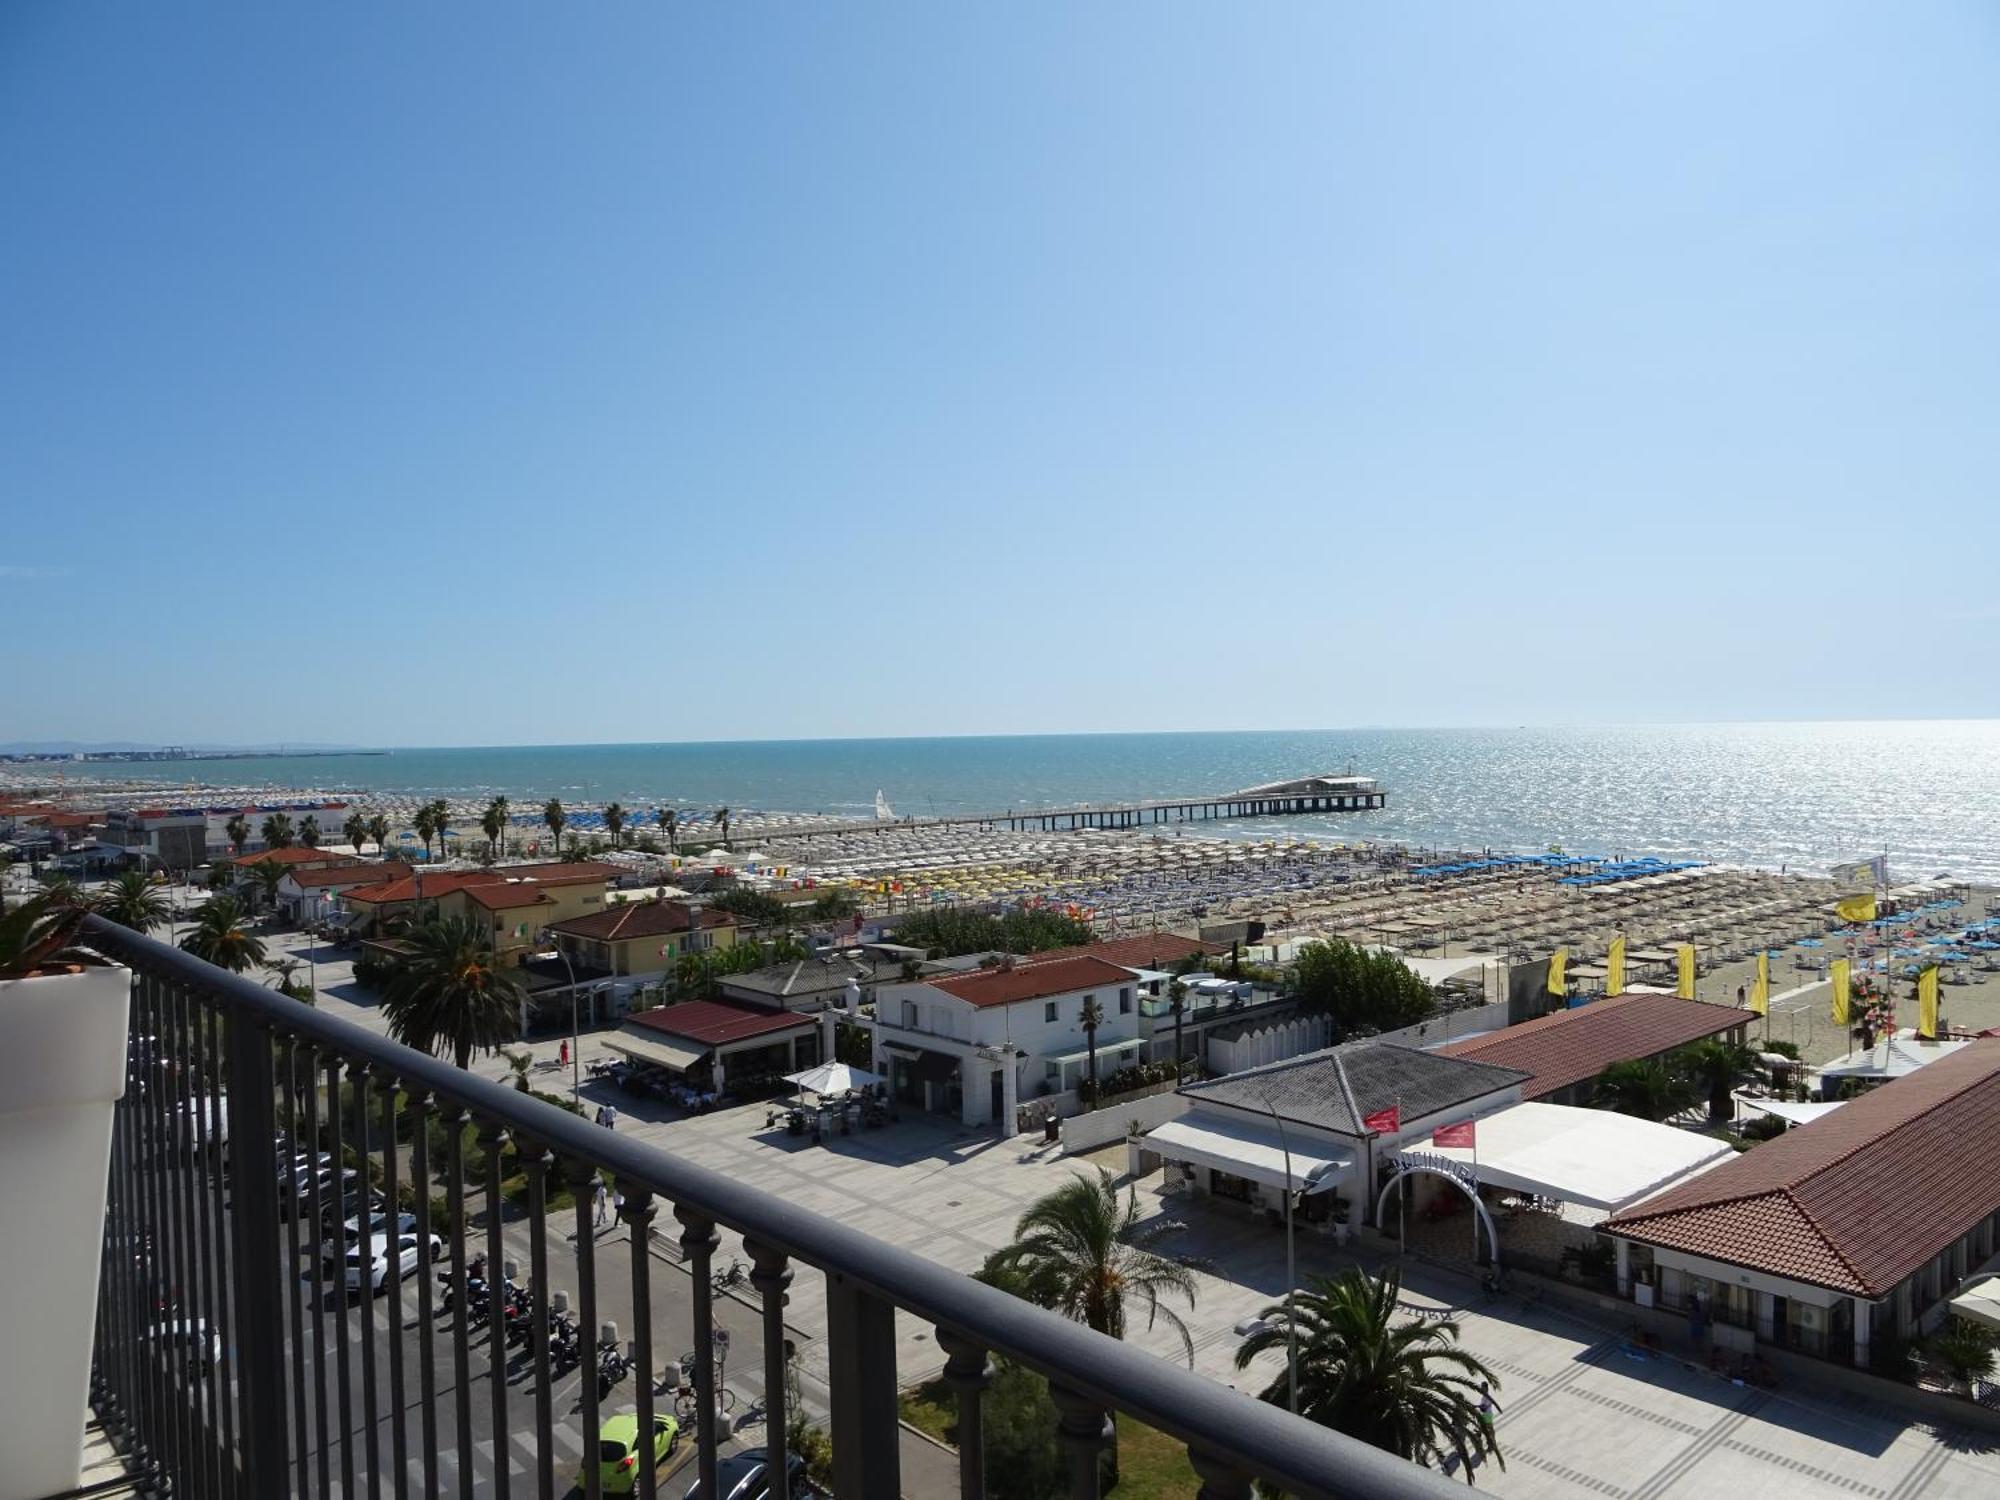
(191, 1343)
(410, 1254)
(746, 1476)
(618, 1451)
(334, 1247)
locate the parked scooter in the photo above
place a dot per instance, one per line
(612, 1367)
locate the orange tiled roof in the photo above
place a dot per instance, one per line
(1859, 1198)
(1030, 981)
(1574, 1045)
(1154, 950)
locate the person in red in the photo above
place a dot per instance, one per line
(563, 1055)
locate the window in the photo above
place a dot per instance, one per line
(1051, 1070)
(909, 1015)
(1052, 1012)
(1125, 1001)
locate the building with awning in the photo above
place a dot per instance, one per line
(1564, 1052)
(1254, 1151)
(720, 1035)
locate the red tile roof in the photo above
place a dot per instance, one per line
(1030, 981)
(505, 897)
(1147, 951)
(348, 873)
(423, 884)
(716, 1023)
(294, 855)
(640, 919)
(1574, 1045)
(1859, 1198)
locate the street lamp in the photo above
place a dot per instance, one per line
(575, 1036)
(1291, 1254)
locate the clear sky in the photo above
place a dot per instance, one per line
(486, 373)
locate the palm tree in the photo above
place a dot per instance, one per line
(135, 902)
(441, 823)
(452, 996)
(505, 809)
(1079, 1252)
(1091, 1018)
(670, 825)
(1715, 1065)
(424, 822)
(268, 877)
(220, 938)
(552, 814)
(614, 819)
(309, 831)
(722, 822)
(237, 829)
(1177, 998)
(277, 831)
(287, 970)
(1404, 1386)
(1644, 1089)
(378, 830)
(518, 1066)
(355, 831)
(493, 823)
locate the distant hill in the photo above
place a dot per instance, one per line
(137, 747)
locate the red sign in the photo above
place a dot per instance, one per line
(1384, 1121)
(1462, 1134)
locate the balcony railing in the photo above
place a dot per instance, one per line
(230, 1362)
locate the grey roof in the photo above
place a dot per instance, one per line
(810, 976)
(1335, 1088)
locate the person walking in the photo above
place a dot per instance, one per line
(562, 1054)
(603, 1204)
(610, 1117)
(599, 1116)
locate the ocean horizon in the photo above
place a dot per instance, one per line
(1800, 795)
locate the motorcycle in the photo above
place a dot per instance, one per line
(612, 1367)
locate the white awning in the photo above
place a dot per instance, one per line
(1980, 1302)
(1244, 1148)
(660, 1053)
(1795, 1113)
(1593, 1157)
(1104, 1050)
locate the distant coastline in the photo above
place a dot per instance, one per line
(144, 757)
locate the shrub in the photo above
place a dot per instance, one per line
(1363, 992)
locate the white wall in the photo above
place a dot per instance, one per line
(1103, 1126)
(1269, 1044)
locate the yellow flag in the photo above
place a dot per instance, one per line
(1760, 989)
(1841, 971)
(1685, 987)
(1927, 1002)
(1558, 962)
(1614, 967)
(1859, 908)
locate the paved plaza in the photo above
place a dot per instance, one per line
(1582, 1413)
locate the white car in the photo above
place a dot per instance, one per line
(375, 1266)
(191, 1342)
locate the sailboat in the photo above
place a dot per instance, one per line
(883, 812)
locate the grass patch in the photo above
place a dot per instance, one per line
(1151, 1465)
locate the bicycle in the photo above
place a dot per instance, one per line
(736, 1275)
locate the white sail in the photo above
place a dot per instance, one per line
(882, 809)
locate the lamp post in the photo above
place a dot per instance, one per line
(1291, 1268)
(575, 1036)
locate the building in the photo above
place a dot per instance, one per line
(810, 985)
(311, 893)
(974, 1044)
(514, 902)
(709, 1042)
(1563, 1053)
(161, 838)
(640, 939)
(1304, 1121)
(1841, 1232)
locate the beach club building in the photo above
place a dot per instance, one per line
(710, 1042)
(1843, 1232)
(1563, 1053)
(311, 893)
(975, 1044)
(639, 939)
(514, 902)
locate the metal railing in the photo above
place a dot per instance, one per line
(231, 1362)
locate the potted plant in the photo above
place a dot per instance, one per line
(63, 1017)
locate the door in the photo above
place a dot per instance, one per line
(1780, 1322)
(996, 1096)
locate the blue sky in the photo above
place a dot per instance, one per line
(521, 373)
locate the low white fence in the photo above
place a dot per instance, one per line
(1450, 1026)
(1103, 1126)
(1269, 1044)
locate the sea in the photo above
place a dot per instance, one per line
(1791, 795)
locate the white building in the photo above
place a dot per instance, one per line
(975, 1044)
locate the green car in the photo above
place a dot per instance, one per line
(618, 1450)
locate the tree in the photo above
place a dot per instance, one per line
(834, 904)
(670, 823)
(1964, 1348)
(1715, 1066)
(1403, 1386)
(1079, 1252)
(1090, 1018)
(614, 821)
(519, 1064)
(756, 908)
(277, 831)
(424, 822)
(452, 996)
(1177, 998)
(493, 823)
(219, 936)
(268, 878)
(237, 829)
(951, 931)
(1023, 1459)
(355, 831)
(1643, 1089)
(287, 970)
(441, 823)
(552, 814)
(722, 822)
(1362, 991)
(134, 901)
(309, 831)
(378, 830)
